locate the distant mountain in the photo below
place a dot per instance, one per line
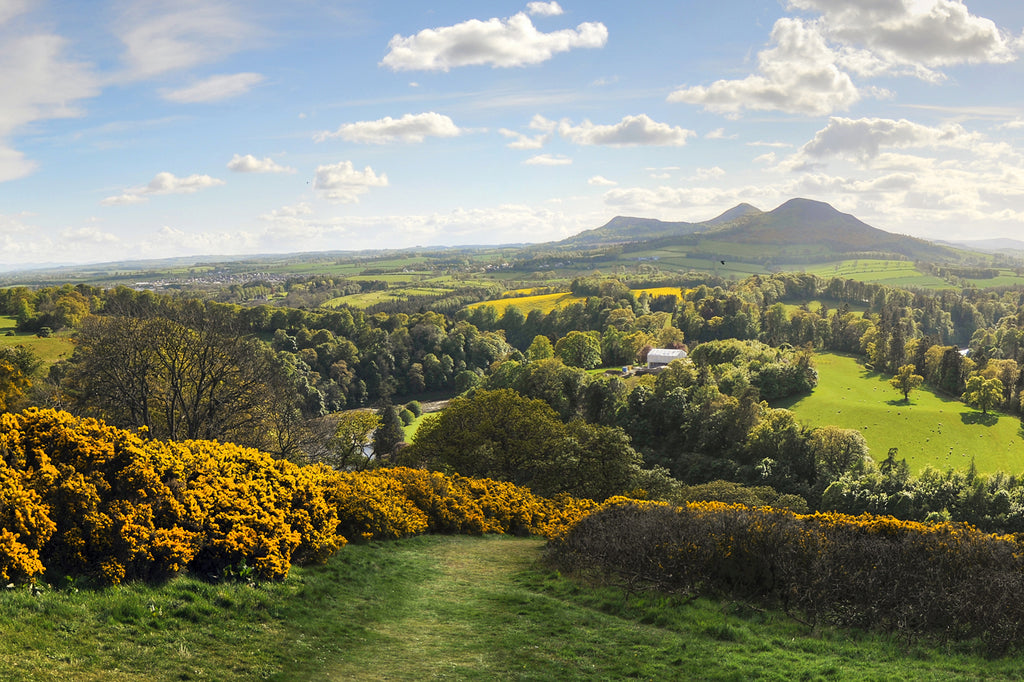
(1014, 246)
(624, 229)
(798, 230)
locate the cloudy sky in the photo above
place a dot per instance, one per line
(139, 129)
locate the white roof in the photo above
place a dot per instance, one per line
(665, 355)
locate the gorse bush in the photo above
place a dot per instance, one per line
(948, 580)
(81, 498)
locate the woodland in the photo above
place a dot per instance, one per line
(213, 434)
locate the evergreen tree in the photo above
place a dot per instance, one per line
(390, 432)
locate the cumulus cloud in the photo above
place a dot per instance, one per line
(250, 164)
(601, 181)
(342, 183)
(514, 41)
(163, 183)
(862, 138)
(548, 160)
(409, 128)
(215, 88)
(544, 9)
(807, 67)
(798, 75)
(629, 132)
(521, 141)
(160, 37)
(932, 33)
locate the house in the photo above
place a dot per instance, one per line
(660, 357)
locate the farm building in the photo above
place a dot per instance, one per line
(660, 357)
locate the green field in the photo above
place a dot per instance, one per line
(931, 429)
(440, 607)
(889, 272)
(49, 350)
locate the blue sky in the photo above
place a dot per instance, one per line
(136, 129)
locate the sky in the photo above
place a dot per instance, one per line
(139, 129)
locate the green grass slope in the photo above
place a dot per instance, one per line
(439, 607)
(931, 429)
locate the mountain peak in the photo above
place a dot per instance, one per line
(735, 213)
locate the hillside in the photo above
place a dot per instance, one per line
(798, 229)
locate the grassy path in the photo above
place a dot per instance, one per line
(436, 633)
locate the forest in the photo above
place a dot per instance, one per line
(298, 383)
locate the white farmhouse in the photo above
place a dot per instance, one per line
(660, 357)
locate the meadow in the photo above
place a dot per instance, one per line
(874, 271)
(49, 349)
(930, 429)
(439, 607)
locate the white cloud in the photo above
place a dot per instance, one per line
(409, 128)
(288, 213)
(342, 183)
(514, 41)
(709, 173)
(548, 160)
(798, 75)
(38, 82)
(719, 134)
(163, 183)
(215, 88)
(631, 131)
(930, 33)
(862, 138)
(601, 181)
(521, 141)
(544, 9)
(250, 164)
(88, 236)
(161, 37)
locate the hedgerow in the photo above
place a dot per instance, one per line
(948, 580)
(81, 498)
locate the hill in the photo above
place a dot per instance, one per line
(799, 230)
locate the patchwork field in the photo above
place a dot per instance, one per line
(548, 302)
(889, 272)
(931, 429)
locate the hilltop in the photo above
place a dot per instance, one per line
(799, 229)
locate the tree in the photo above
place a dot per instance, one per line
(389, 434)
(352, 432)
(579, 349)
(506, 436)
(180, 381)
(983, 393)
(837, 451)
(540, 349)
(906, 381)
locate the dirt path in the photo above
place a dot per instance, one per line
(437, 636)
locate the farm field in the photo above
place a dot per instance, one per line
(548, 302)
(931, 429)
(433, 607)
(49, 350)
(889, 272)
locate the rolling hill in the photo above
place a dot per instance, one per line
(798, 229)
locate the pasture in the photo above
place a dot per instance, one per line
(875, 271)
(49, 350)
(930, 429)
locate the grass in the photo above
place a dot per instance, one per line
(439, 607)
(49, 349)
(930, 429)
(875, 271)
